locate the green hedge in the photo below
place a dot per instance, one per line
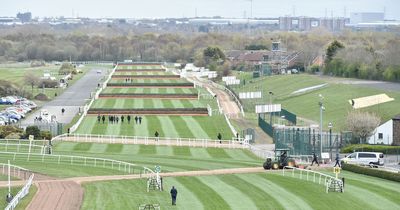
(385, 149)
(372, 172)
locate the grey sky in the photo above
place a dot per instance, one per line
(187, 8)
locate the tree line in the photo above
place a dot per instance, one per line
(367, 55)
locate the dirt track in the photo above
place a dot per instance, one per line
(68, 193)
(57, 195)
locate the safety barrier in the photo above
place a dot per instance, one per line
(191, 142)
(315, 176)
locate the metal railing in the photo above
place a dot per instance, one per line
(191, 142)
(314, 176)
(25, 189)
(122, 166)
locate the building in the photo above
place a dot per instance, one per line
(388, 133)
(285, 23)
(305, 23)
(366, 17)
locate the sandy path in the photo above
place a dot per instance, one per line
(57, 195)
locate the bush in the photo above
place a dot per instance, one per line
(41, 97)
(385, 149)
(46, 135)
(8, 129)
(13, 136)
(32, 130)
(48, 83)
(371, 172)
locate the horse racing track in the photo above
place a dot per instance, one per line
(166, 103)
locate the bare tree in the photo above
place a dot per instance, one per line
(362, 124)
(31, 79)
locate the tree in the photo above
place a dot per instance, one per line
(213, 54)
(332, 50)
(362, 124)
(31, 79)
(32, 130)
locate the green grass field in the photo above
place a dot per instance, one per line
(336, 97)
(139, 67)
(151, 90)
(137, 103)
(162, 81)
(143, 73)
(246, 191)
(14, 190)
(167, 126)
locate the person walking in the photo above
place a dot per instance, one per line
(174, 193)
(98, 118)
(122, 119)
(219, 136)
(103, 118)
(117, 118)
(140, 120)
(337, 160)
(156, 134)
(315, 159)
(136, 119)
(129, 119)
(62, 111)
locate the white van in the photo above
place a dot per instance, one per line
(366, 158)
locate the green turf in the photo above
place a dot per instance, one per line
(14, 190)
(137, 103)
(336, 97)
(151, 90)
(167, 126)
(244, 191)
(162, 81)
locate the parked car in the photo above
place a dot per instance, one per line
(365, 158)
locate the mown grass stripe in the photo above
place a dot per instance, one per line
(129, 149)
(195, 127)
(82, 147)
(98, 148)
(200, 153)
(182, 151)
(281, 194)
(141, 129)
(114, 148)
(217, 153)
(165, 151)
(260, 198)
(233, 196)
(168, 127)
(209, 198)
(147, 150)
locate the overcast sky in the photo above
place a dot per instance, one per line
(187, 8)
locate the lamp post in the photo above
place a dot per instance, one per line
(330, 125)
(321, 109)
(270, 103)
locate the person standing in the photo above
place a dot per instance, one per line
(62, 111)
(103, 118)
(129, 119)
(98, 118)
(122, 119)
(156, 134)
(140, 120)
(174, 193)
(219, 136)
(315, 159)
(337, 160)
(136, 119)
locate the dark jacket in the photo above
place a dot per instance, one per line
(174, 192)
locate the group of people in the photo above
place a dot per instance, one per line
(128, 80)
(116, 119)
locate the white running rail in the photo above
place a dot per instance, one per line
(24, 191)
(309, 175)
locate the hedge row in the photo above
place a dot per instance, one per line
(188, 84)
(385, 149)
(371, 172)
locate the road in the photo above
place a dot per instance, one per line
(71, 99)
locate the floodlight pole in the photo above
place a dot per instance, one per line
(330, 125)
(321, 108)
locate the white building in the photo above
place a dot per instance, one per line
(383, 134)
(366, 17)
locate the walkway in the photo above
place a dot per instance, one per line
(74, 97)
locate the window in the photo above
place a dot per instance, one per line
(380, 135)
(366, 155)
